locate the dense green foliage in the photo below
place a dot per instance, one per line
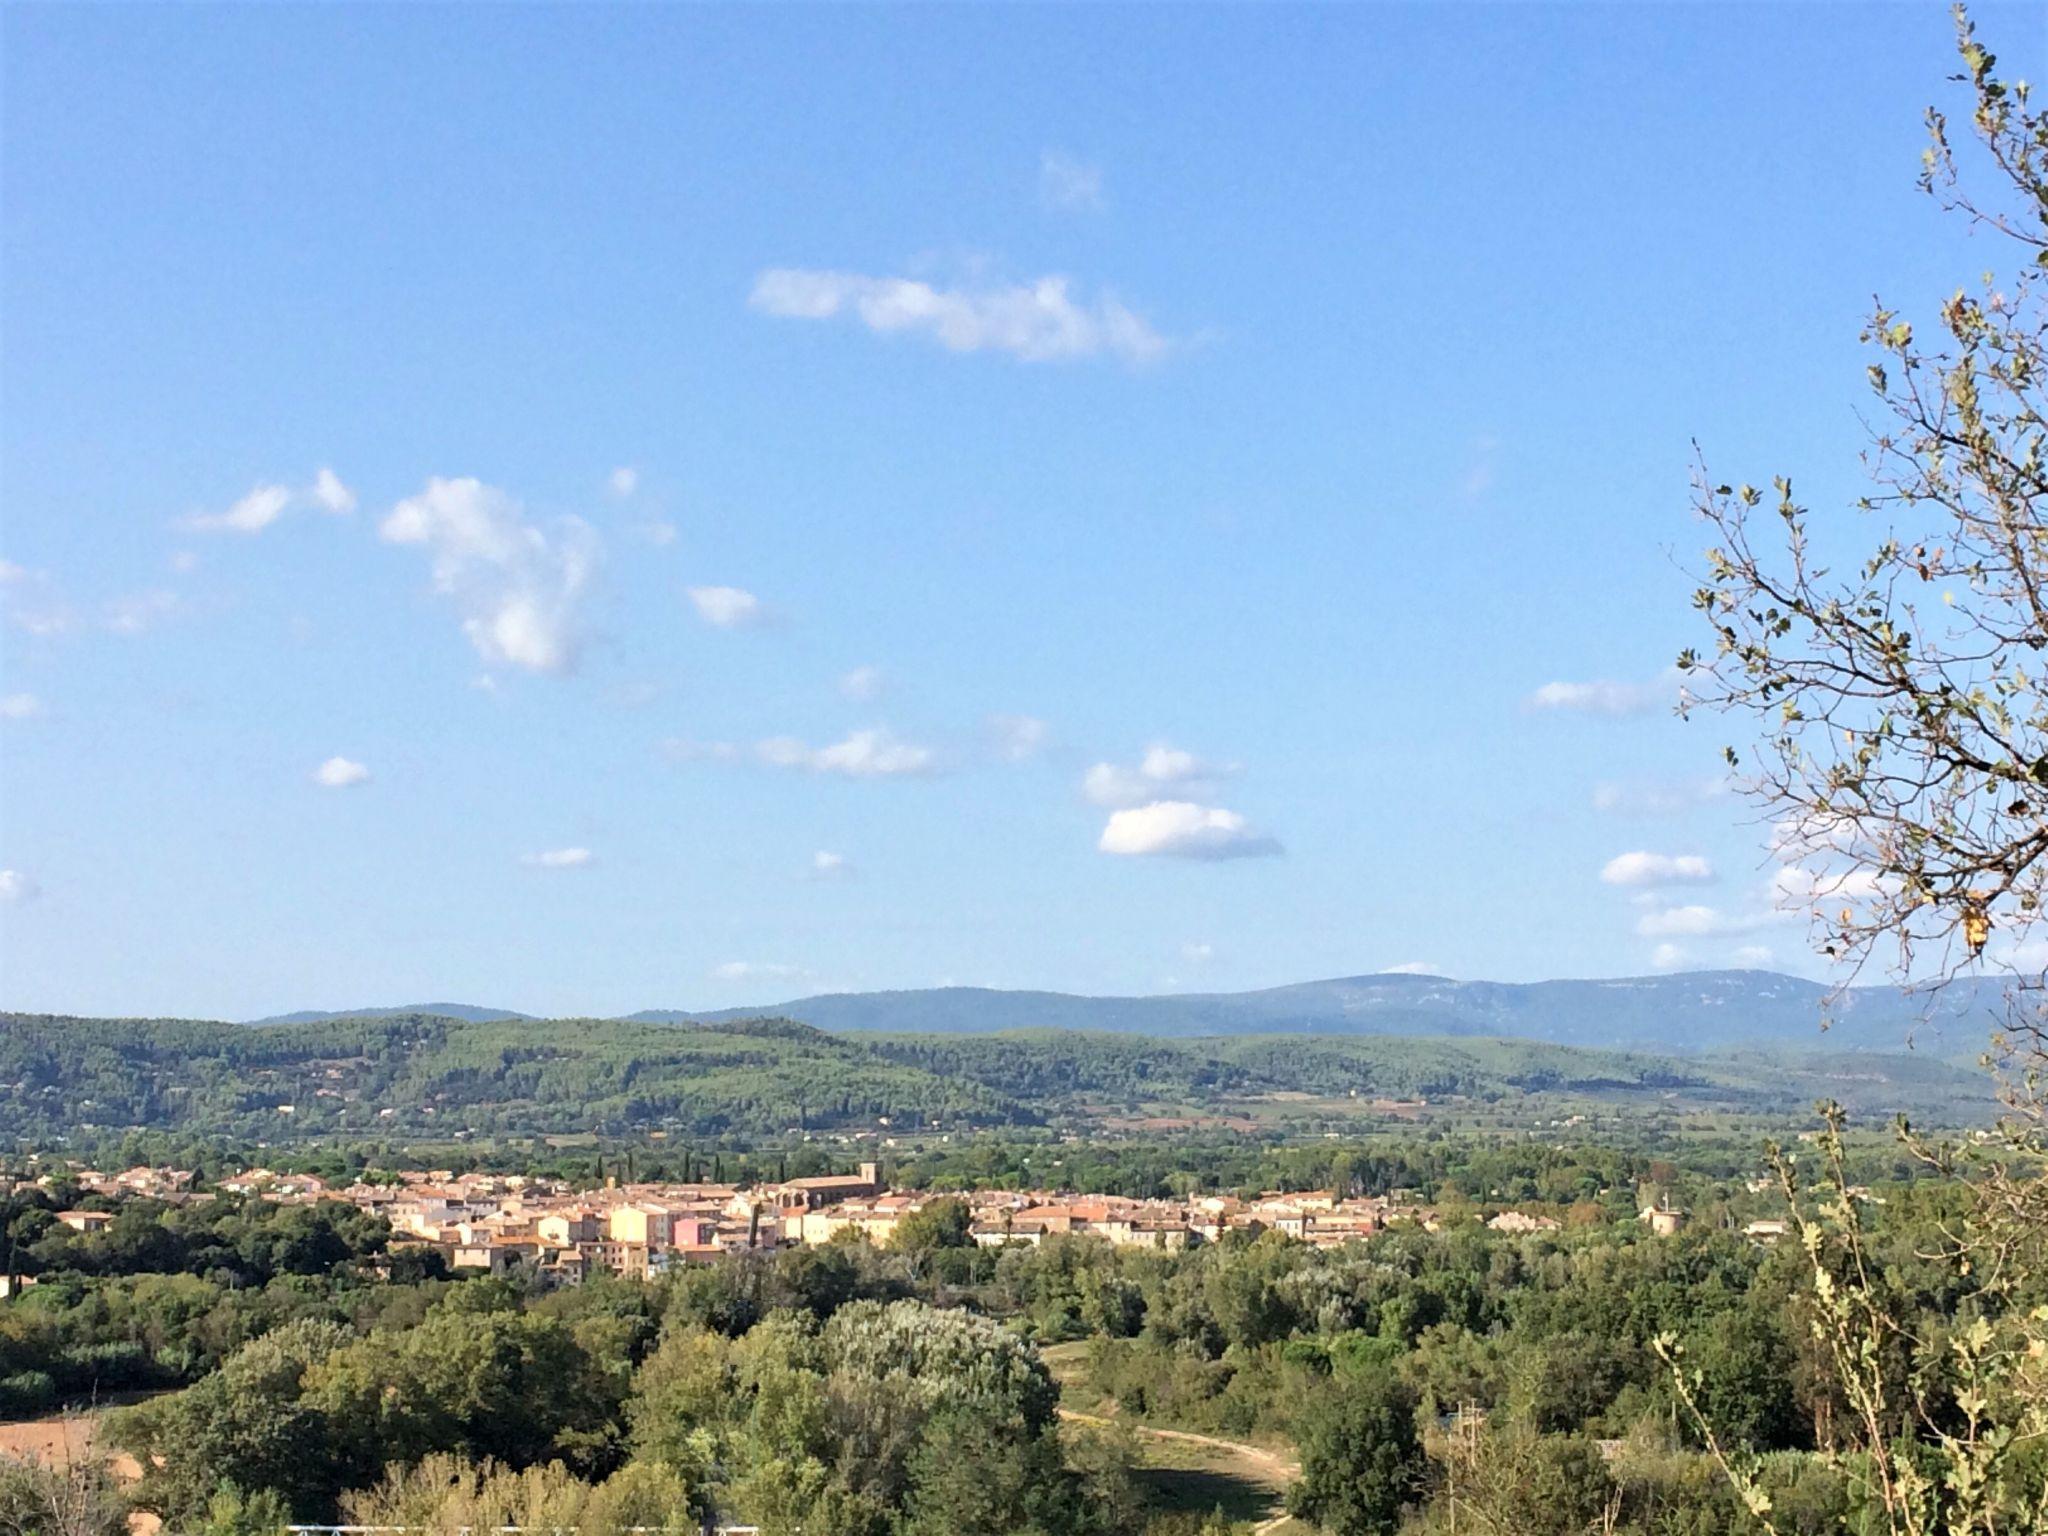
(418, 1076)
(162, 1294)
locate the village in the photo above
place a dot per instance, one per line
(558, 1234)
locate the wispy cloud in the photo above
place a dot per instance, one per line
(623, 481)
(1642, 868)
(1657, 797)
(252, 514)
(16, 886)
(757, 970)
(826, 865)
(517, 586)
(1604, 696)
(1162, 767)
(20, 706)
(140, 611)
(1018, 737)
(331, 494)
(1068, 184)
(862, 685)
(726, 607)
(340, 773)
(559, 858)
(867, 754)
(1041, 321)
(264, 504)
(1698, 922)
(1183, 830)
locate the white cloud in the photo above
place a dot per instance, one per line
(184, 562)
(44, 621)
(558, 858)
(331, 494)
(516, 586)
(1604, 696)
(678, 749)
(755, 970)
(1656, 798)
(1667, 957)
(1478, 475)
(1067, 183)
(141, 611)
(1752, 957)
(1799, 885)
(862, 684)
(1689, 921)
(1412, 968)
(660, 532)
(265, 504)
(16, 886)
(1037, 322)
(826, 865)
(1198, 954)
(1018, 737)
(623, 481)
(867, 754)
(1695, 921)
(20, 706)
(252, 514)
(340, 773)
(33, 605)
(1161, 768)
(1182, 829)
(726, 607)
(1641, 868)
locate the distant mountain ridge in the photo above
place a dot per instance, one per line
(1687, 1011)
(468, 1012)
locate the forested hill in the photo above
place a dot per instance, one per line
(1702, 1010)
(425, 1076)
(1699, 1010)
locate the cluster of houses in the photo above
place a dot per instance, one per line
(505, 1222)
(646, 1229)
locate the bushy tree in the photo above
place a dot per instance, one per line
(1361, 1457)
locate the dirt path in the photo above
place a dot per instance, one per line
(1261, 1465)
(1281, 1466)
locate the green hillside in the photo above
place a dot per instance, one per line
(420, 1075)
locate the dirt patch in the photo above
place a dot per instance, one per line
(71, 1440)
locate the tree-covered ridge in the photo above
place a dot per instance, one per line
(420, 1073)
(423, 1075)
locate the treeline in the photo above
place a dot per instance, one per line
(159, 1295)
(809, 1392)
(418, 1076)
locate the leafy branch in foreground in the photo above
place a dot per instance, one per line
(1901, 711)
(1955, 1442)
(1902, 705)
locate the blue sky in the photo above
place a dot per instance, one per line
(1105, 499)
